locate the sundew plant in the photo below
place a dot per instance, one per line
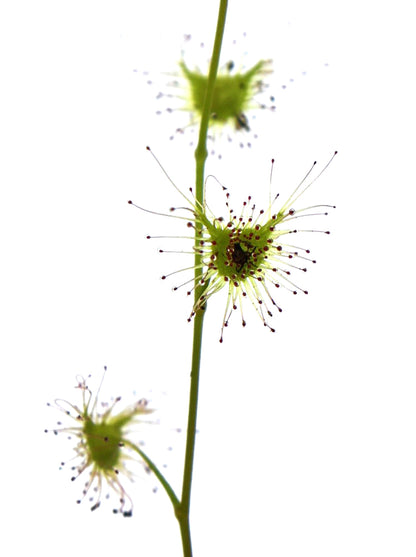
(239, 92)
(251, 254)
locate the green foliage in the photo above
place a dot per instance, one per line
(103, 441)
(233, 93)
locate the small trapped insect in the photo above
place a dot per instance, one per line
(102, 443)
(239, 256)
(246, 252)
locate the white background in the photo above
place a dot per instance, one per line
(306, 440)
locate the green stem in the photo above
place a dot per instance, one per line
(201, 153)
(167, 487)
(184, 508)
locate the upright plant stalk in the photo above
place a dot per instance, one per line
(201, 153)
